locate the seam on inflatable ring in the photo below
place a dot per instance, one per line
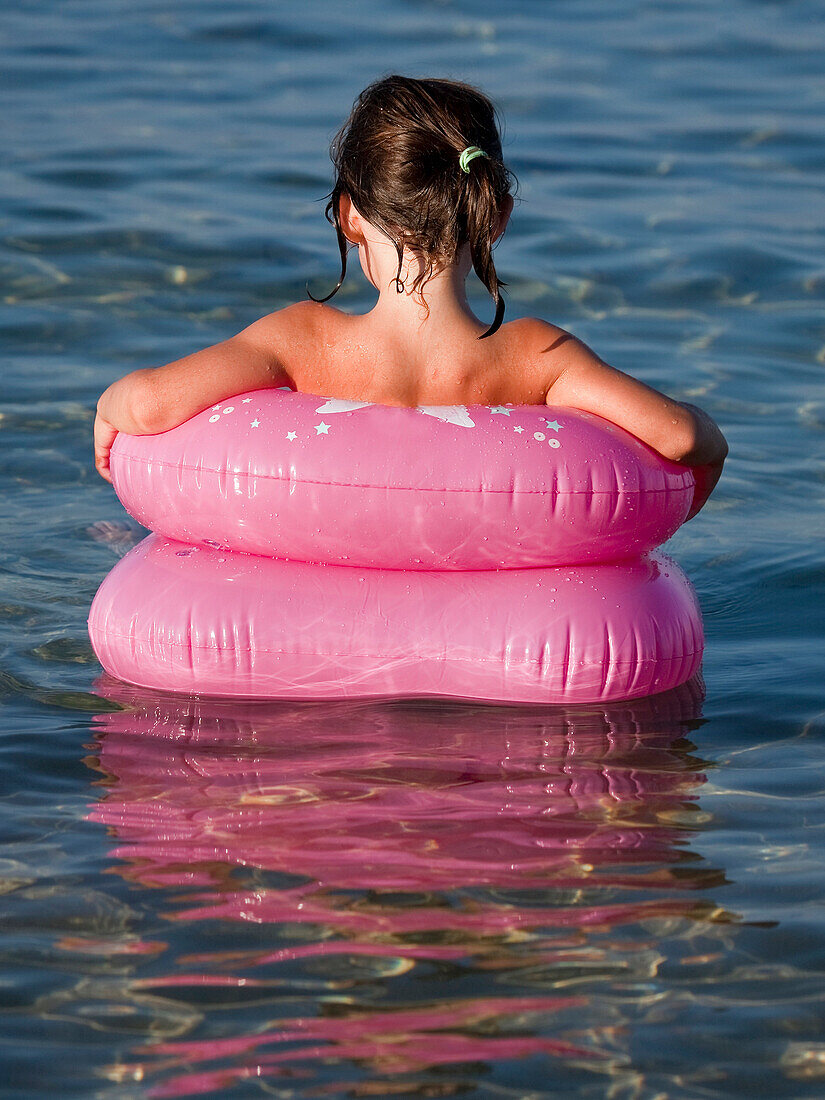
(401, 488)
(380, 656)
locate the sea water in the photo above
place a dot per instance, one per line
(415, 899)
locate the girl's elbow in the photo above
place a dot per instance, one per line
(146, 408)
(696, 442)
(678, 443)
(132, 406)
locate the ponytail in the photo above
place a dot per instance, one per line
(482, 218)
(421, 161)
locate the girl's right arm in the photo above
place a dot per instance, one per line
(680, 432)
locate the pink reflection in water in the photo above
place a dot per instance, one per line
(402, 830)
(394, 1043)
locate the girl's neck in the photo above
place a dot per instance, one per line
(440, 305)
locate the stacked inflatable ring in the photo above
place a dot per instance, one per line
(313, 548)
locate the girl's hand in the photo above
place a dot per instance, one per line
(104, 438)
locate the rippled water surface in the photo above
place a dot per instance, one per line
(397, 899)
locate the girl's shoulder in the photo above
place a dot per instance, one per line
(298, 331)
(542, 350)
(302, 321)
(535, 336)
(306, 341)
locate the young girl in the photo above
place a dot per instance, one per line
(422, 191)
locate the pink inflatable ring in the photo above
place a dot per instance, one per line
(298, 477)
(195, 619)
(465, 552)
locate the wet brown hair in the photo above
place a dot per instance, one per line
(397, 157)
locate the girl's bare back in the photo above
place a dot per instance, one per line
(325, 351)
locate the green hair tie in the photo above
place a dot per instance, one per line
(470, 153)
